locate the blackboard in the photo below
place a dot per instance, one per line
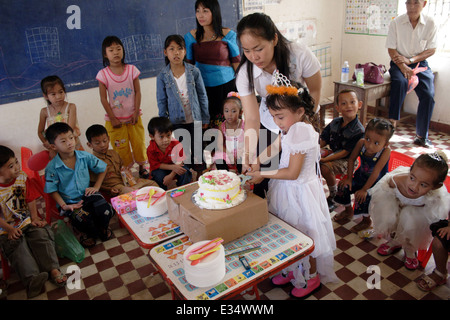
(41, 38)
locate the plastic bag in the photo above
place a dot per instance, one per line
(66, 243)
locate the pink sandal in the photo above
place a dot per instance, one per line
(385, 249)
(411, 263)
(282, 279)
(312, 285)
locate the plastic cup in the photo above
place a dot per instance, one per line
(359, 76)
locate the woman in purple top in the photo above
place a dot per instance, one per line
(214, 50)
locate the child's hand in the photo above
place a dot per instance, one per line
(442, 232)
(115, 122)
(38, 222)
(114, 191)
(178, 169)
(167, 180)
(346, 182)
(89, 191)
(360, 196)
(46, 145)
(14, 234)
(256, 177)
(73, 206)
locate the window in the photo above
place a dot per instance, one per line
(440, 10)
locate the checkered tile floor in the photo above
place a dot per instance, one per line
(120, 269)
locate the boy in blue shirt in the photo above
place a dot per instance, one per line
(67, 180)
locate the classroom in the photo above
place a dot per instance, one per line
(335, 31)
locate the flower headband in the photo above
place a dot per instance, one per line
(281, 85)
(233, 94)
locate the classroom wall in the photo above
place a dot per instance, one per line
(20, 119)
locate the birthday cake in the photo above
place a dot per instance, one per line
(151, 202)
(219, 189)
(207, 271)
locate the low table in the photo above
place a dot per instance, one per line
(281, 246)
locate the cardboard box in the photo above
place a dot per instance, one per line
(203, 224)
(125, 202)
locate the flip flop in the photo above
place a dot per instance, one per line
(59, 280)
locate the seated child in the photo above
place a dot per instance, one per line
(165, 154)
(67, 180)
(113, 183)
(440, 247)
(231, 142)
(341, 136)
(374, 152)
(406, 201)
(25, 239)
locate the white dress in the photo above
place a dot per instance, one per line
(410, 219)
(302, 202)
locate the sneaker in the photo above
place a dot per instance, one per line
(312, 285)
(282, 279)
(423, 142)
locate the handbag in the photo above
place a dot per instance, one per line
(373, 73)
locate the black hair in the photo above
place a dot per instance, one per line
(178, 40)
(214, 7)
(107, 42)
(293, 102)
(160, 124)
(233, 99)
(95, 130)
(345, 91)
(261, 25)
(5, 154)
(54, 130)
(50, 82)
(436, 161)
(382, 127)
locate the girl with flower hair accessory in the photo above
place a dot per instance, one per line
(296, 194)
(406, 201)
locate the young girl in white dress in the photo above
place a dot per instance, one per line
(406, 201)
(296, 194)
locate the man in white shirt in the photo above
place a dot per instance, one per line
(411, 40)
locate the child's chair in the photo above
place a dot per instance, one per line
(32, 164)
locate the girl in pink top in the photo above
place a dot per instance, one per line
(120, 94)
(231, 146)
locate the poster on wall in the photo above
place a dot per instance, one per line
(371, 17)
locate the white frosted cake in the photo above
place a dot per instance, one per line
(209, 271)
(151, 202)
(219, 189)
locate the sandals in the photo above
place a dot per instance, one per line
(426, 283)
(60, 280)
(313, 285)
(411, 263)
(106, 235)
(282, 279)
(385, 249)
(87, 242)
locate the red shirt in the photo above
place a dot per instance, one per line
(172, 154)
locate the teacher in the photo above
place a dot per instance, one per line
(265, 50)
(214, 50)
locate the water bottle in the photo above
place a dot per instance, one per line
(345, 72)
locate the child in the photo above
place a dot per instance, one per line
(166, 154)
(296, 193)
(67, 180)
(25, 239)
(120, 82)
(232, 135)
(406, 201)
(113, 184)
(374, 152)
(57, 110)
(440, 247)
(341, 136)
(181, 97)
